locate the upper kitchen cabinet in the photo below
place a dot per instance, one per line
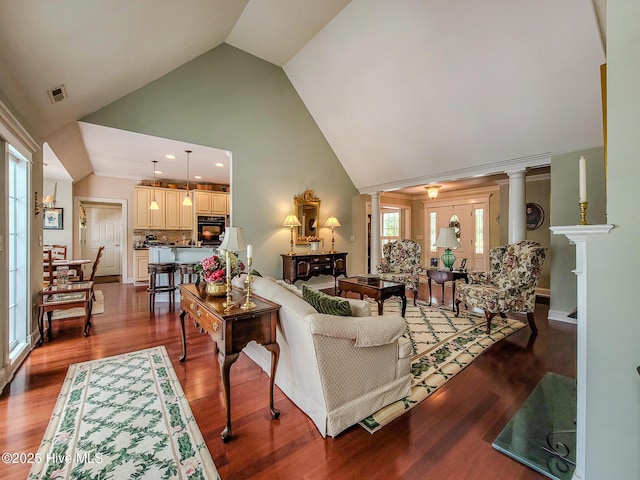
(145, 217)
(211, 203)
(177, 216)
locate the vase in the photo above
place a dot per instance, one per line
(216, 289)
(315, 246)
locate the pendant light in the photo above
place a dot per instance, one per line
(187, 197)
(154, 204)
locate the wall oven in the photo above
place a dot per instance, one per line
(210, 229)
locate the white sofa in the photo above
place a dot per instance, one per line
(338, 370)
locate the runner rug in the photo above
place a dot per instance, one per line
(443, 345)
(123, 417)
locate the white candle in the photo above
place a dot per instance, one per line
(228, 258)
(583, 179)
(249, 251)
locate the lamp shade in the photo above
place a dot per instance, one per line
(332, 222)
(291, 221)
(233, 240)
(432, 190)
(447, 238)
(49, 199)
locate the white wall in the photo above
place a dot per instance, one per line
(64, 200)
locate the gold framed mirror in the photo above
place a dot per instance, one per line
(307, 208)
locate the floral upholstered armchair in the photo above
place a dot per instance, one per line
(511, 284)
(401, 263)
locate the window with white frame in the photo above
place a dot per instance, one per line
(17, 247)
(390, 225)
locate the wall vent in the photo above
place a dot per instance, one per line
(58, 94)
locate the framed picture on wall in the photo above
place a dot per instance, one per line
(53, 219)
(434, 262)
(463, 265)
(535, 216)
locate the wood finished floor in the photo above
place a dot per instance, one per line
(448, 436)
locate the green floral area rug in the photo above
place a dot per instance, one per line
(443, 345)
(123, 417)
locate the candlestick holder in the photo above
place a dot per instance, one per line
(248, 304)
(228, 304)
(583, 213)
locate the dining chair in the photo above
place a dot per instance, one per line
(47, 268)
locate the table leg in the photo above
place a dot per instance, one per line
(453, 295)
(404, 304)
(183, 313)
(88, 307)
(429, 291)
(380, 303)
(225, 368)
(274, 348)
(442, 302)
(41, 326)
(49, 316)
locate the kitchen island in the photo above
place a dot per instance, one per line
(179, 253)
(176, 254)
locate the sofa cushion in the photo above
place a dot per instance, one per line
(324, 303)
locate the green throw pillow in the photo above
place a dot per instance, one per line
(324, 303)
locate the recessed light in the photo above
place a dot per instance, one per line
(197, 176)
(170, 157)
(157, 172)
(219, 164)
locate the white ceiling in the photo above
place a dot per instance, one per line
(423, 90)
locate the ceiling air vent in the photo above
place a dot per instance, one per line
(58, 94)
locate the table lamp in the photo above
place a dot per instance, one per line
(233, 242)
(332, 222)
(291, 221)
(448, 240)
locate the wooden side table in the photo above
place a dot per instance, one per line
(442, 276)
(55, 297)
(231, 332)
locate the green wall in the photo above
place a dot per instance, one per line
(565, 211)
(613, 334)
(232, 100)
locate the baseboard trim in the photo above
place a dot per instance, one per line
(561, 316)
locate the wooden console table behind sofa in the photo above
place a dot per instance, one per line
(305, 266)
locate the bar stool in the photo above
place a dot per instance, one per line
(154, 270)
(187, 273)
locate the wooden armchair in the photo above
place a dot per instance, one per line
(401, 263)
(510, 286)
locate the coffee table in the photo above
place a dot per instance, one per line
(379, 290)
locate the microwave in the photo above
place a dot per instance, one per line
(210, 229)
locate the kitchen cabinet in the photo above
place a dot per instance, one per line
(177, 215)
(211, 203)
(172, 215)
(140, 264)
(144, 217)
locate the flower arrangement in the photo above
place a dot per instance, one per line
(214, 268)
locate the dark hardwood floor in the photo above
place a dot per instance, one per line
(448, 436)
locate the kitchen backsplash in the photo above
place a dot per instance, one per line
(164, 236)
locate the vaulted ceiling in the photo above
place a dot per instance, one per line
(418, 90)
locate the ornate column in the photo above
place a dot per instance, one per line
(578, 234)
(376, 250)
(517, 207)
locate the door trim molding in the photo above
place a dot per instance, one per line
(126, 276)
